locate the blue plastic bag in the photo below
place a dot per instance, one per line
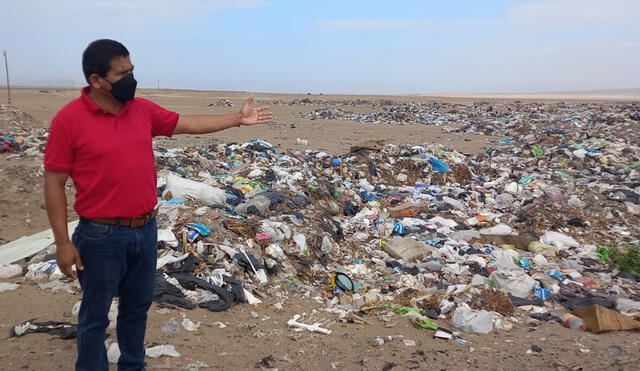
(542, 293)
(438, 166)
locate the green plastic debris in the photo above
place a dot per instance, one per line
(425, 323)
(440, 152)
(537, 151)
(634, 166)
(401, 311)
(562, 174)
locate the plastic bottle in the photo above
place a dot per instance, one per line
(573, 322)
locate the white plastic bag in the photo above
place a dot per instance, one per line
(185, 188)
(10, 270)
(559, 240)
(466, 319)
(162, 350)
(515, 281)
(500, 229)
(113, 352)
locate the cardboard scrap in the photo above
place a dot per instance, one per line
(407, 210)
(372, 145)
(406, 248)
(601, 319)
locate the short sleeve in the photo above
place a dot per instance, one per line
(163, 121)
(58, 155)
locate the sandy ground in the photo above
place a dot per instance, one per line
(247, 340)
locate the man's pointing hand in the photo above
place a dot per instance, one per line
(254, 115)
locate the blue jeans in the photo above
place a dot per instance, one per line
(118, 261)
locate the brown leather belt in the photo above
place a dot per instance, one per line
(136, 222)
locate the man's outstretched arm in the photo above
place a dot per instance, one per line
(203, 124)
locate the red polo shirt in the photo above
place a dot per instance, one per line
(109, 157)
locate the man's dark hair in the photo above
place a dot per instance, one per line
(98, 56)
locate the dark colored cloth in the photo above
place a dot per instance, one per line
(575, 297)
(332, 227)
(372, 170)
(119, 261)
(275, 199)
(547, 317)
(350, 209)
(629, 276)
(64, 330)
(520, 302)
(230, 293)
(239, 199)
(299, 201)
(186, 265)
(242, 260)
(165, 292)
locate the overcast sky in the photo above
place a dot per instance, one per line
(341, 46)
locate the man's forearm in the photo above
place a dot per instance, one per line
(56, 202)
(204, 124)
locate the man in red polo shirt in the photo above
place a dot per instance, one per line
(103, 141)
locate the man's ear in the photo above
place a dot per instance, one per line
(95, 81)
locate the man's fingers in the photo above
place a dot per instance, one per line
(67, 271)
(262, 108)
(249, 100)
(78, 263)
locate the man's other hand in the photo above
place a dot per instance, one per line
(67, 255)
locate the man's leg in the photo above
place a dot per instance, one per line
(136, 294)
(101, 249)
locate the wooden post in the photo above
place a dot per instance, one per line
(6, 67)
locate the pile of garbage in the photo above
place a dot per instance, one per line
(546, 220)
(10, 144)
(20, 132)
(327, 102)
(496, 118)
(222, 103)
(30, 143)
(385, 228)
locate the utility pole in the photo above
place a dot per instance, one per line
(158, 84)
(6, 68)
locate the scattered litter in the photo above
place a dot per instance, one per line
(293, 322)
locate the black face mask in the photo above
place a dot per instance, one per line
(125, 88)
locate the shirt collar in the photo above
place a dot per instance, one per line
(93, 106)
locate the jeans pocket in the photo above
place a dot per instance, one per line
(95, 231)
